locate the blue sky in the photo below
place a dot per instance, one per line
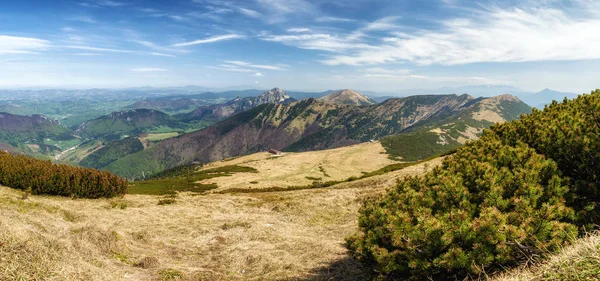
(379, 45)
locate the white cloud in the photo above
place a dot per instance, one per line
(318, 41)
(86, 54)
(379, 70)
(250, 65)
(86, 19)
(242, 66)
(162, 55)
(386, 23)
(177, 18)
(287, 6)
(413, 76)
(210, 40)
(109, 3)
(230, 68)
(22, 45)
(148, 69)
(298, 30)
(333, 19)
(282, 10)
(88, 48)
(160, 50)
(498, 35)
(250, 13)
(102, 3)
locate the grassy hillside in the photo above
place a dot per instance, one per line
(112, 152)
(212, 237)
(127, 123)
(35, 135)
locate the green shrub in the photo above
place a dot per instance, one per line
(44, 177)
(490, 205)
(568, 133)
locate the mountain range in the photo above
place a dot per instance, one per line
(144, 141)
(313, 124)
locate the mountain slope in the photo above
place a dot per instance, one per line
(33, 134)
(438, 136)
(348, 97)
(304, 125)
(219, 112)
(129, 122)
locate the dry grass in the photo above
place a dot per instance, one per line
(293, 235)
(297, 169)
(580, 261)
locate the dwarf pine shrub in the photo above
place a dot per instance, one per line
(569, 133)
(490, 205)
(44, 177)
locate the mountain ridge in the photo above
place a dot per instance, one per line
(303, 125)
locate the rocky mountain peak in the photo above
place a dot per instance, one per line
(274, 95)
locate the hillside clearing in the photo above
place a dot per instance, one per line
(295, 235)
(299, 169)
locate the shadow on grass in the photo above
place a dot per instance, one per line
(346, 269)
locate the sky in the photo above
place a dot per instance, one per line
(377, 45)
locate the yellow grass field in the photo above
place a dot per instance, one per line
(299, 169)
(292, 235)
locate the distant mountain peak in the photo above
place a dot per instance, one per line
(274, 95)
(348, 97)
(506, 97)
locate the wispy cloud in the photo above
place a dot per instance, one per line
(496, 35)
(86, 19)
(379, 70)
(108, 50)
(249, 13)
(250, 65)
(22, 45)
(333, 19)
(280, 10)
(298, 30)
(102, 3)
(158, 48)
(246, 67)
(386, 23)
(86, 54)
(318, 41)
(162, 55)
(148, 69)
(210, 40)
(230, 68)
